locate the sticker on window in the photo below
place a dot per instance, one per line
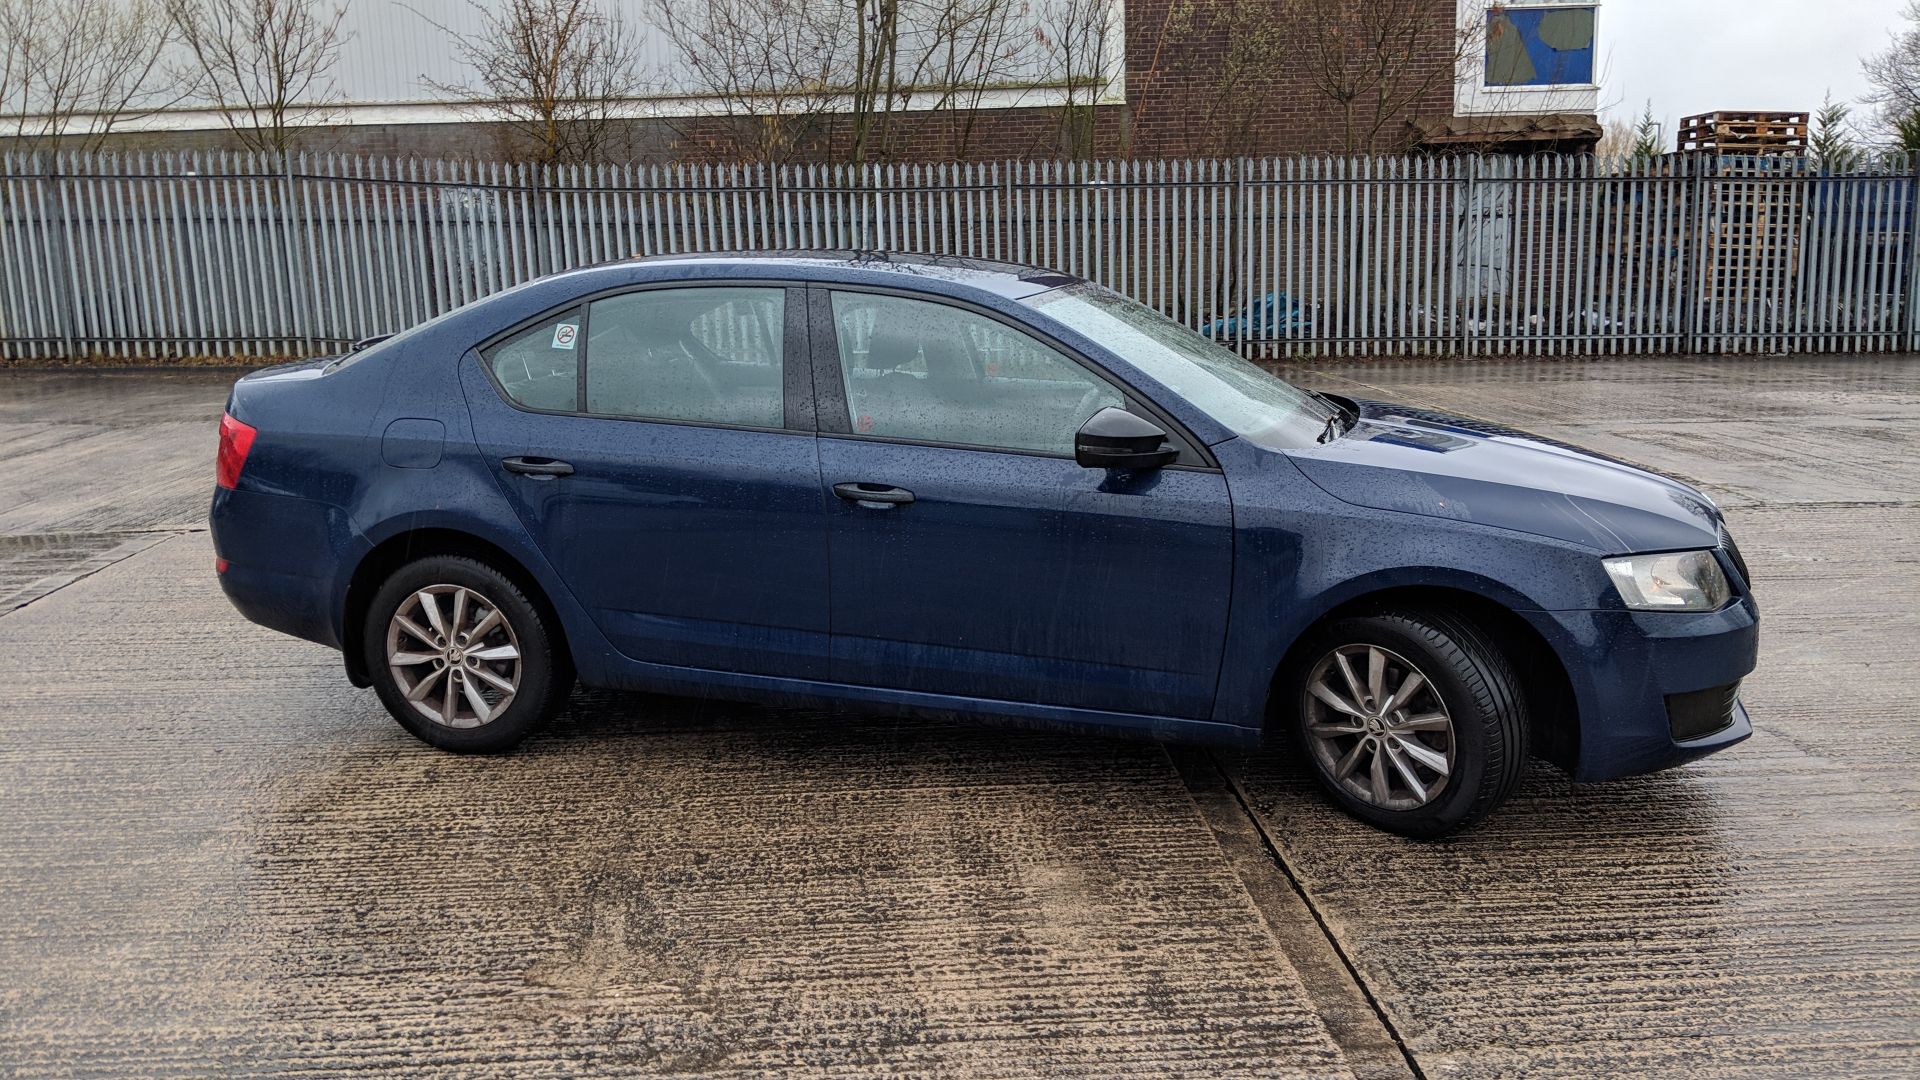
(564, 335)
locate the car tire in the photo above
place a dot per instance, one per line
(500, 657)
(1377, 746)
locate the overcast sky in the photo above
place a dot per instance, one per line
(1697, 56)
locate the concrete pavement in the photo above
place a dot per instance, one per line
(217, 856)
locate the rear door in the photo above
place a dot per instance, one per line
(658, 444)
(971, 555)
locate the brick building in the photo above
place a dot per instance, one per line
(1153, 78)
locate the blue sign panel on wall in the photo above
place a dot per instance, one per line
(1540, 46)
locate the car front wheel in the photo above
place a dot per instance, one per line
(1413, 721)
(461, 657)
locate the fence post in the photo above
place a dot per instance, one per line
(776, 236)
(62, 261)
(542, 222)
(1469, 253)
(1690, 269)
(1014, 252)
(59, 297)
(1911, 295)
(299, 301)
(1244, 258)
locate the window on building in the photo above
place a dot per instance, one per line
(1540, 45)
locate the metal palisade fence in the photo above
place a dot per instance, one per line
(230, 255)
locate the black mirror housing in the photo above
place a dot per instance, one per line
(1114, 438)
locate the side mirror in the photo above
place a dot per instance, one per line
(1117, 439)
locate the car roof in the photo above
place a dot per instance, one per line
(1011, 280)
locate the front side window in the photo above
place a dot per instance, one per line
(1245, 397)
(708, 355)
(920, 370)
(540, 367)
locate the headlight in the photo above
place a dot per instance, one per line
(1674, 581)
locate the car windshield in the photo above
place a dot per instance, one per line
(1248, 399)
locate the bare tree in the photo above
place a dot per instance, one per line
(1076, 38)
(558, 74)
(771, 65)
(876, 41)
(12, 61)
(76, 69)
(1375, 60)
(975, 48)
(1616, 138)
(258, 61)
(1229, 87)
(1893, 76)
(841, 77)
(947, 53)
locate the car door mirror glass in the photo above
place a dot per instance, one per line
(1114, 438)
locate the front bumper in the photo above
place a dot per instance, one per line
(1642, 679)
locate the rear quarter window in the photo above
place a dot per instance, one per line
(540, 366)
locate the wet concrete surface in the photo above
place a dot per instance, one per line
(217, 856)
(1755, 912)
(99, 465)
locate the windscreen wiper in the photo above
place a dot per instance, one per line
(1328, 433)
(1332, 428)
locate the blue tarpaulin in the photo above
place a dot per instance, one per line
(1269, 317)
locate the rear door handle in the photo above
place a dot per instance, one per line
(873, 496)
(537, 467)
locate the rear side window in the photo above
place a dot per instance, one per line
(708, 355)
(540, 367)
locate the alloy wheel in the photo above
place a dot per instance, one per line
(1378, 728)
(454, 655)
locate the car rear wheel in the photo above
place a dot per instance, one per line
(461, 657)
(1413, 721)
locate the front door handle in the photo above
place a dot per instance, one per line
(873, 496)
(539, 468)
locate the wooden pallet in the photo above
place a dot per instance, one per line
(1753, 240)
(1740, 244)
(1744, 133)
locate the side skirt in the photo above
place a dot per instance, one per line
(737, 686)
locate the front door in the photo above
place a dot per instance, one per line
(971, 555)
(647, 442)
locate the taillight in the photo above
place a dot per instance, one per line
(236, 439)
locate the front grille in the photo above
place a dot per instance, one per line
(1733, 555)
(1700, 713)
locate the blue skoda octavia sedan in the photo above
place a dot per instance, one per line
(958, 487)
